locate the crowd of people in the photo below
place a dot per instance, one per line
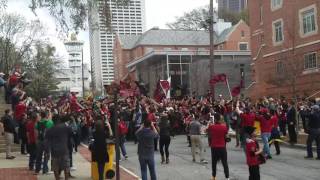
(56, 127)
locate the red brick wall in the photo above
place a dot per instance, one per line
(235, 37)
(295, 48)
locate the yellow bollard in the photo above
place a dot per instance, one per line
(109, 172)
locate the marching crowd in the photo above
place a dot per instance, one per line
(54, 129)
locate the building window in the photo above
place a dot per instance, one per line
(279, 67)
(276, 4)
(310, 61)
(243, 46)
(242, 33)
(278, 32)
(308, 21)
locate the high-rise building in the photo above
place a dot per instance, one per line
(232, 5)
(128, 19)
(71, 78)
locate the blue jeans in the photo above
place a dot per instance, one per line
(33, 155)
(265, 139)
(122, 147)
(144, 162)
(314, 135)
(42, 150)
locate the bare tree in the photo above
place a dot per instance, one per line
(17, 35)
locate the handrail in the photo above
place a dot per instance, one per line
(313, 95)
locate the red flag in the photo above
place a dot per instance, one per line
(236, 91)
(165, 85)
(124, 85)
(218, 78)
(158, 93)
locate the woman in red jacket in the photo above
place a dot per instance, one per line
(252, 154)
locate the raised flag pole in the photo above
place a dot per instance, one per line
(227, 81)
(168, 96)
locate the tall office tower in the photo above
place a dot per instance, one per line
(232, 5)
(125, 20)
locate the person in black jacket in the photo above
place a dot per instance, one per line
(165, 139)
(9, 130)
(99, 147)
(291, 120)
(314, 131)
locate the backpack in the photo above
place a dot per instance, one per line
(123, 129)
(41, 130)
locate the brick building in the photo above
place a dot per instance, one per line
(160, 53)
(285, 45)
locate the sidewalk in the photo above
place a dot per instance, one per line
(17, 169)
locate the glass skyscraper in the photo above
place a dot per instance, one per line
(125, 20)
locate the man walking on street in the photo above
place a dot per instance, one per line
(58, 137)
(314, 131)
(9, 130)
(195, 136)
(146, 135)
(218, 134)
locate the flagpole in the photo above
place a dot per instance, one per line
(227, 80)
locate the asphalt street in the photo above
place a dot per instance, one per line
(290, 165)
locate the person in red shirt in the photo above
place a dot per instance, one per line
(252, 154)
(266, 126)
(31, 137)
(217, 133)
(20, 110)
(247, 120)
(275, 133)
(74, 104)
(152, 117)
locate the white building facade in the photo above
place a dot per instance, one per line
(125, 20)
(70, 78)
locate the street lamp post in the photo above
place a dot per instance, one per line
(82, 74)
(211, 35)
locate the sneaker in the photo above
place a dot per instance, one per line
(269, 157)
(10, 157)
(73, 168)
(203, 161)
(126, 156)
(308, 157)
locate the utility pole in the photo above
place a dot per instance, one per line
(117, 143)
(82, 74)
(211, 35)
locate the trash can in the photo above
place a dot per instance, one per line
(108, 168)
